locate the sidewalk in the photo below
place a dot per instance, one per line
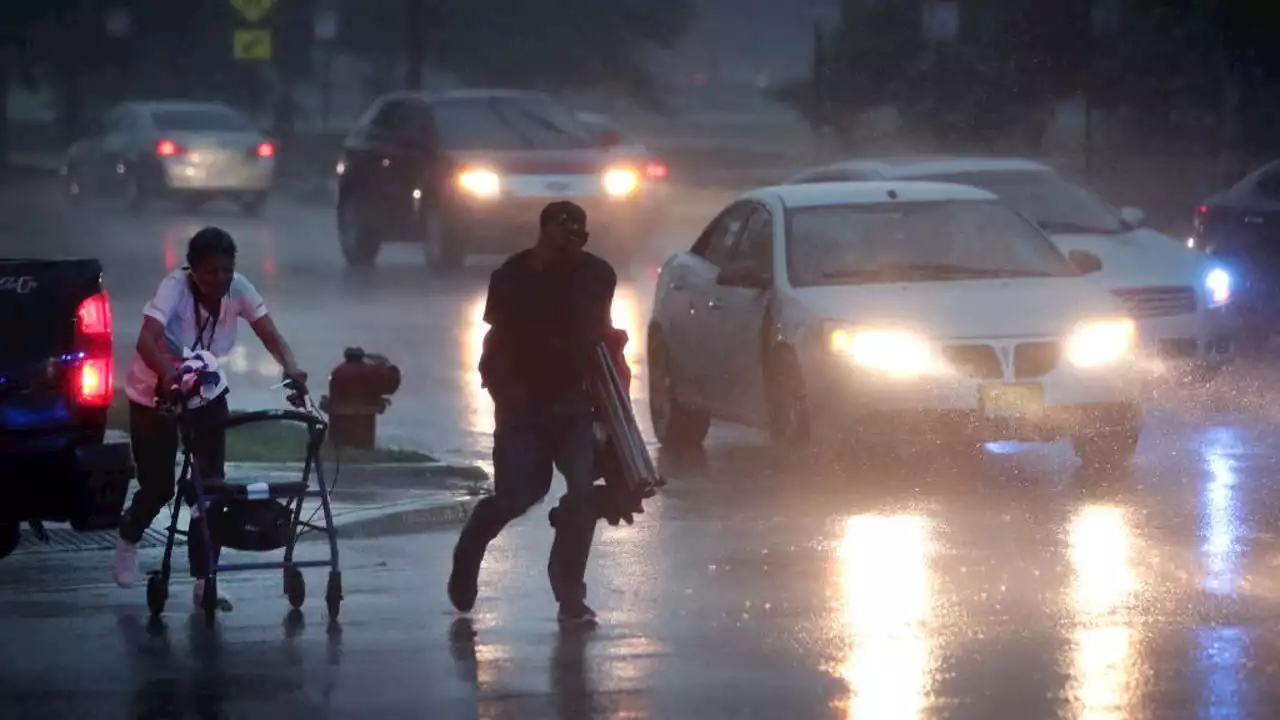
(366, 500)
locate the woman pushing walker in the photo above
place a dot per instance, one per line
(196, 307)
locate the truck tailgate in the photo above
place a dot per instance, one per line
(39, 304)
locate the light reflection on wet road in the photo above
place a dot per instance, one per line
(1011, 588)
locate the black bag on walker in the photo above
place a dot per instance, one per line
(251, 525)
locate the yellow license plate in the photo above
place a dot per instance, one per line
(1011, 401)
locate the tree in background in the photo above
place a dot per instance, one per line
(1183, 69)
(580, 44)
(16, 66)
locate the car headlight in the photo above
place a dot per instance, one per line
(1101, 342)
(1217, 287)
(893, 352)
(480, 182)
(620, 182)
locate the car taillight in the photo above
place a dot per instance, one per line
(1201, 217)
(655, 170)
(91, 381)
(167, 148)
(266, 150)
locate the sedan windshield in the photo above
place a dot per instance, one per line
(916, 242)
(1056, 205)
(213, 119)
(501, 123)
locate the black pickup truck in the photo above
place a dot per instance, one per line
(56, 368)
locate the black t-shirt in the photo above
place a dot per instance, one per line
(545, 325)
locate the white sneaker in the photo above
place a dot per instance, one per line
(126, 562)
(197, 597)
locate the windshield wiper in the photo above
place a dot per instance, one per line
(1051, 226)
(916, 269)
(928, 270)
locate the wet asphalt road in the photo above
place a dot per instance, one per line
(1007, 587)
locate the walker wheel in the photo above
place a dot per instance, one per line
(157, 594)
(295, 587)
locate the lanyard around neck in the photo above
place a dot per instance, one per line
(209, 325)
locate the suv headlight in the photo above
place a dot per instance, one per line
(893, 352)
(620, 182)
(1101, 342)
(1217, 287)
(480, 182)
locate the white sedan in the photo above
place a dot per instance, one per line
(912, 309)
(1179, 298)
(189, 151)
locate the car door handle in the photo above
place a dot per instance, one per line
(676, 286)
(714, 304)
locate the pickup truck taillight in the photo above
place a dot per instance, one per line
(91, 381)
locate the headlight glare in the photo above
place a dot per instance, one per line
(1217, 287)
(480, 182)
(620, 182)
(893, 352)
(1101, 342)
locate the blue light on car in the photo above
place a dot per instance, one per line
(1217, 285)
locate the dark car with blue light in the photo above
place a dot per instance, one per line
(58, 463)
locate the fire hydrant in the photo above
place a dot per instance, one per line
(358, 393)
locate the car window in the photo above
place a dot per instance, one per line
(1268, 183)
(715, 245)
(756, 244)
(1051, 201)
(824, 176)
(504, 123)
(919, 241)
(400, 118)
(213, 119)
(601, 128)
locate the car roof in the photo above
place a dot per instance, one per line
(926, 165)
(851, 193)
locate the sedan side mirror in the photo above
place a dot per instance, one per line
(743, 276)
(1133, 217)
(1086, 262)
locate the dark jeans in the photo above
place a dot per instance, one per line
(154, 436)
(526, 446)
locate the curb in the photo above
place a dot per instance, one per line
(398, 519)
(405, 517)
(427, 469)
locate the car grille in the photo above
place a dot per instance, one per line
(1033, 359)
(975, 361)
(1154, 302)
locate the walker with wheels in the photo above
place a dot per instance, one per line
(252, 517)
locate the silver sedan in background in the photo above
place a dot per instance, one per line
(192, 152)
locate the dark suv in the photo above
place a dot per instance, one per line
(466, 172)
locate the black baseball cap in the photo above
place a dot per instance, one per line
(563, 212)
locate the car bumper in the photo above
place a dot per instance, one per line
(243, 176)
(85, 486)
(1062, 403)
(1203, 339)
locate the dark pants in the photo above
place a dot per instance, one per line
(526, 446)
(154, 436)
